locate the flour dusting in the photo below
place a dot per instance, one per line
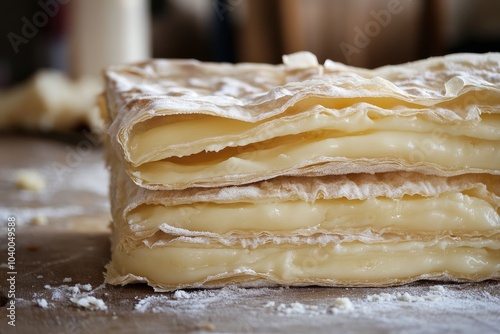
(80, 295)
(198, 301)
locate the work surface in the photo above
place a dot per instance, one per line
(57, 260)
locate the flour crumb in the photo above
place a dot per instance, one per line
(39, 276)
(47, 287)
(42, 303)
(30, 179)
(406, 297)
(206, 327)
(270, 304)
(67, 280)
(85, 287)
(438, 289)
(90, 303)
(342, 305)
(74, 290)
(293, 308)
(398, 296)
(181, 294)
(435, 293)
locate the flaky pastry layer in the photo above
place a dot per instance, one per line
(454, 237)
(318, 210)
(182, 123)
(187, 265)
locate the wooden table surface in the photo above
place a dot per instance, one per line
(73, 248)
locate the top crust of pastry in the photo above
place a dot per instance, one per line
(252, 92)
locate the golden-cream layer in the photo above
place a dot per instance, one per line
(285, 155)
(163, 137)
(194, 265)
(451, 213)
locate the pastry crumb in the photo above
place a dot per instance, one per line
(206, 327)
(342, 304)
(30, 179)
(39, 220)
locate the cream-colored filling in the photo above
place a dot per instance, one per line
(290, 153)
(183, 135)
(449, 213)
(351, 263)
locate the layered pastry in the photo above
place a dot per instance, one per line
(304, 174)
(183, 124)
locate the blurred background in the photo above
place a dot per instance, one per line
(78, 37)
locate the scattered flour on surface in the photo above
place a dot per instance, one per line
(67, 280)
(79, 294)
(90, 302)
(26, 215)
(420, 299)
(42, 303)
(181, 294)
(339, 305)
(435, 293)
(293, 308)
(197, 300)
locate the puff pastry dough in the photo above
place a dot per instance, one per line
(302, 173)
(193, 124)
